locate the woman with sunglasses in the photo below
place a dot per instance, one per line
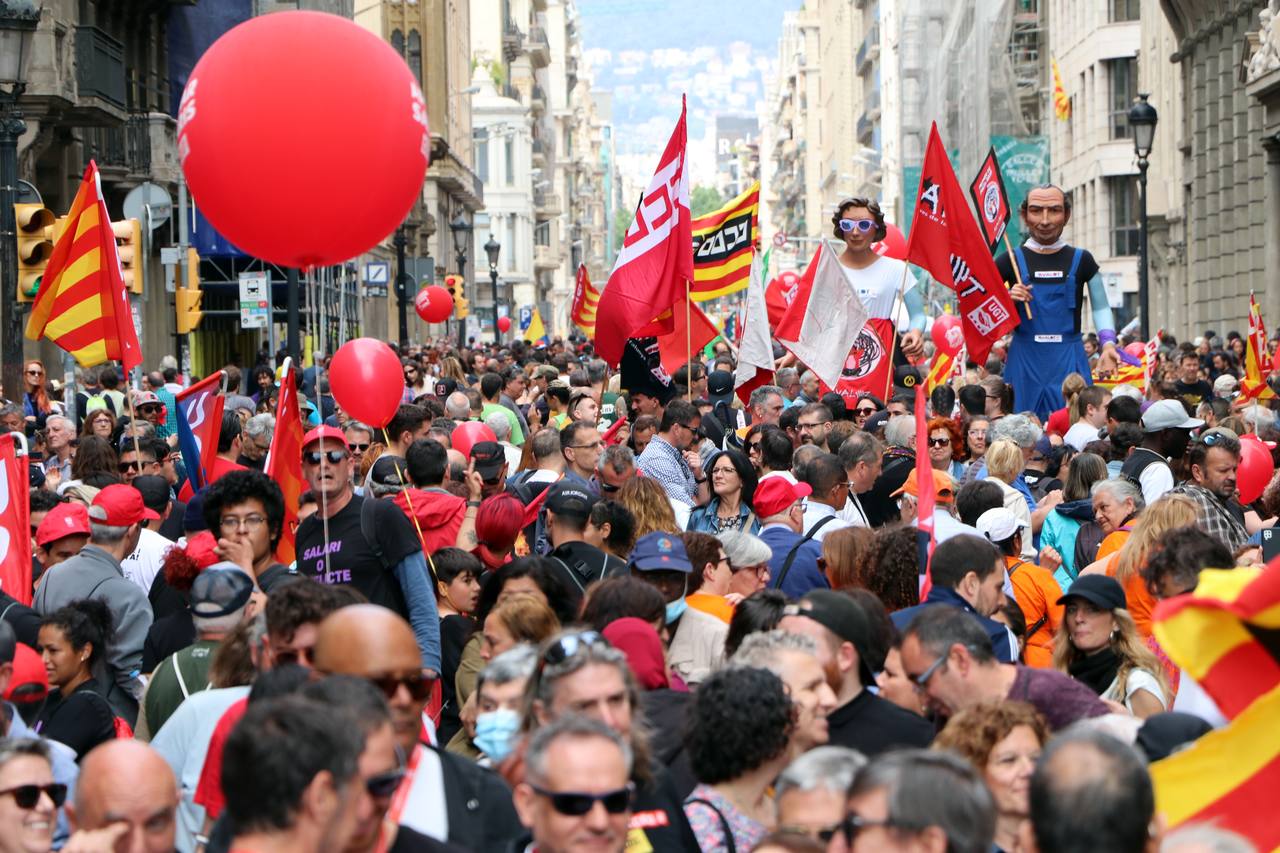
(415, 380)
(29, 798)
(867, 405)
(878, 280)
(35, 400)
(733, 484)
(73, 640)
(946, 448)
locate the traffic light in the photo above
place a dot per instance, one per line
(187, 296)
(128, 233)
(456, 289)
(35, 246)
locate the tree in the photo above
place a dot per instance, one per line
(704, 199)
(622, 217)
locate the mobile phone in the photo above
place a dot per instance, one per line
(1270, 544)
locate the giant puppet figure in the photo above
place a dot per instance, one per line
(1047, 344)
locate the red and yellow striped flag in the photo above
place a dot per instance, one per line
(81, 305)
(723, 242)
(1224, 636)
(1256, 362)
(1061, 103)
(585, 300)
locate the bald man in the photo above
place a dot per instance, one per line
(373, 642)
(126, 796)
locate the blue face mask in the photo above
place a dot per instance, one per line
(676, 609)
(496, 733)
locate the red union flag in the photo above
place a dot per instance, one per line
(946, 241)
(990, 200)
(15, 531)
(284, 461)
(656, 260)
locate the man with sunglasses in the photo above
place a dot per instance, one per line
(442, 795)
(359, 437)
(576, 794)
(671, 460)
(1213, 459)
(366, 543)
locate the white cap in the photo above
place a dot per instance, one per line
(998, 524)
(1168, 414)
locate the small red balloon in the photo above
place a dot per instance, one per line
(1136, 349)
(465, 435)
(367, 380)
(894, 245)
(1256, 469)
(272, 111)
(948, 336)
(504, 324)
(434, 304)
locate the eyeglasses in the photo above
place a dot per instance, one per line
(312, 457)
(595, 445)
(853, 824)
(568, 646)
(759, 571)
(811, 426)
(293, 657)
(575, 804)
(418, 685)
(609, 488)
(384, 785)
(922, 680)
(149, 409)
(28, 796)
(865, 411)
(135, 465)
(36, 372)
(939, 442)
(230, 523)
(822, 833)
(863, 225)
(359, 448)
(753, 447)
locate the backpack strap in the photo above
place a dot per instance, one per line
(729, 845)
(177, 672)
(571, 573)
(1039, 623)
(368, 529)
(791, 555)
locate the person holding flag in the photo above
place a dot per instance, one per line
(1049, 277)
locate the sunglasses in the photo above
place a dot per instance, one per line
(384, 785)
(359, 448)
(863, 225)
(576, 804)
(865, 411)
(35, 373)
(418, 685)
(568, 646)
(126, 467)
(609, 489)
(312, 457)
(939, 442)
(28, 796)
(149, 409)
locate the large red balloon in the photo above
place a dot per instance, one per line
(466, 434)
(367, 380)
(948, 336)
(303, 137)
(434, 304)
(894, 245)
(504, 324)
(1256, 469)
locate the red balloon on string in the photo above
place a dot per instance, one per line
(434, 304)
(504, 324)
(948, 336)
(367, 380)
(1256, 468)
(894, 245)
(466, 434)
(272, 111)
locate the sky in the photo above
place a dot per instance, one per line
(720, 53)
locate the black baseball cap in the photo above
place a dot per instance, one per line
(388, 470)
(489, 458)
(842, 616)
(719, 385)
(446, 386)
(220, 590)
(154, 490)
(567, 498)
(1099, 590)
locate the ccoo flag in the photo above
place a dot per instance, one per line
(656, 259)
(723, 243)
(284, 461)
(81, 305)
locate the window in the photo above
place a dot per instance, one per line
(1124, 215)
(509, 152)
(1124, 10)
(1124, 88)
(397, 42)
(482, 159)
(414, 55)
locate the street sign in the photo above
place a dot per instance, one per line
(148, 197)
(377, 272)
(169, 255)
(780, 239)
(255, 300)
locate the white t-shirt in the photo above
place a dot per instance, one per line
(147, 559)
(1081, 433)
(1139, 679)
(878, 285)
(1156, 480)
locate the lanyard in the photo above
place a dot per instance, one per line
(400, 800)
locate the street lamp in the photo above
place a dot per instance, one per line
(1142, 119)
(491, 248)
(402, 289)
(18, 20)
(461, 230)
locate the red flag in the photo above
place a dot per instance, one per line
(656, 260)
(945, 240)
(867, 368)
(991, 200)
(586, 300)
(15, 520)
(924, 485)
(690, 332)
(284, 461)
(200, 418)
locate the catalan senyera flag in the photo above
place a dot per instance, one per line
(1223, 635)
(284, 461)
(1061, 103)
(723, 242)
(1256, 363)
(585, 300)
(82, 306)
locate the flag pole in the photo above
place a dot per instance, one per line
(404, 490)
(1017, 273)
(893, 339)
(133, 420)
(688, 343)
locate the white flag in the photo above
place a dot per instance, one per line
(755, 347)
(825, 319)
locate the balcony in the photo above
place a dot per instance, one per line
(539, 153)
(121, 151)
(869, 52)
(100, 76)
(865, 129)
(871, 104)
(545, 205)
(512, 40)
(544, 258)
(539, 47)
(538, 100)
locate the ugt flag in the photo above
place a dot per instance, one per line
(990, 199)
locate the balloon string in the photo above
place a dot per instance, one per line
(310, 274)
(404, 490)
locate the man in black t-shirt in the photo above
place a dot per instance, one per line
(1190, 387)
(372, 547)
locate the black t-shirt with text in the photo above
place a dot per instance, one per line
(1194, 393)
(1051, 269)
(350, 558)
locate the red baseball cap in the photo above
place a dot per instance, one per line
(324, 431)
(28, 669)
(119, 506)
(775, 494)
(62, 521)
